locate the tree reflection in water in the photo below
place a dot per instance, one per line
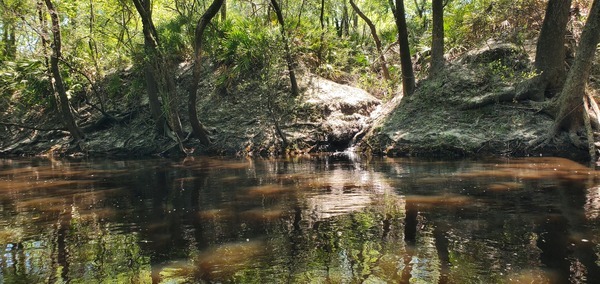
(306, 220)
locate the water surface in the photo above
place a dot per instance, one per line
(306, 220)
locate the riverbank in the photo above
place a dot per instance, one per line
(471, 109)
(452, 115)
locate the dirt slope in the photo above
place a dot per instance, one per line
(460, 113)
(253, 119)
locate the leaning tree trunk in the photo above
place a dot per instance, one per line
(550, 52)
(163, 67)
(437, 37)
(158, 78)
(286, 46)
(57, 83)
(151, 46)
(197, 128)
(345, 26)
(570, 100)
(408, 77)
(384, 68)
(224, 11)
(43, 32)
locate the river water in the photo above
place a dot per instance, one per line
(320, 219)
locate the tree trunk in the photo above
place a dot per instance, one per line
(92, 42)
(345, 20)
(550, 52)
(322, 39)
(153, 100)
(384, 68)
(286, 45)
(44, 32)
(224, 11)
(197, 128)
(408, 77)
(355, 23)
(159, 80)
(300, 15)
(169, 95)
(151, 49)
(420, 7)
(570, 100)
(9, 39)
(57, 83)
(437, 38)
(3, 42)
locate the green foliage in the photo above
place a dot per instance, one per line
(24, 83)
(242, 50)
(101, 38)
(175, 38)
(375, 86)
(96, 254)
(342, 57)
(468, 23)
(128, 85)
(114, 258)
(498, 69)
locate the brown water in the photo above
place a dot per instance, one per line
(310, 220)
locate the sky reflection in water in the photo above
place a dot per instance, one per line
(309, 220)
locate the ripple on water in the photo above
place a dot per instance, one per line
(592, 203)
(505, 186)
(215, 214)
(528, 276)
(263, 214)
(268, 189)
(331, 220)
(217, 263)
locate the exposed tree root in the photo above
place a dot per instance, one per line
(19, 125)
(506, 94)
(28, 140)
(542, 141)
(531, 89)
(591, 121)
(177, 142)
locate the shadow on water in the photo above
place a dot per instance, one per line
(317, 219)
